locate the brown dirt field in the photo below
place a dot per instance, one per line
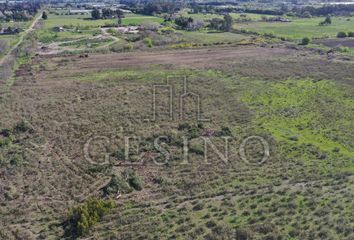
(194, 57)
(336, 42)
(269, 63)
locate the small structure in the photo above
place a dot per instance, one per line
(79, 11)
(275, 19)
(58, 29)
(129, 29)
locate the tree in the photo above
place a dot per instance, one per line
(216, 23)
(95, 14)
(327, 21)
(120, 15)
(183, 22)
(227, 23)
(44, 16)
(107, 13)
(306, 14)
(305, 41)
(222, 24)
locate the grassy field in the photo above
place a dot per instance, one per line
(299, 101)
(299, 28)
(85, 21)
(208, 16)
(212, 37)
(11, 39)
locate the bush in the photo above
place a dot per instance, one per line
(116, 185)
(350, 34)
(343, 49)
(21, 127)
(148, 42)
(82, 218)
(305, 41)
(342, 35)
(17, 159)
(128, 47)
(134, 180)
(117, 47)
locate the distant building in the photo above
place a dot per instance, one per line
(79, 11)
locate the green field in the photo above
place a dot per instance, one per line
(22, 25)
(86, 22)
(300, 28)
(13, 38)
(212, 37)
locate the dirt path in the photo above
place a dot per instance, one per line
(22, 36)
(186, 57)
(105, 33)
(57, 48)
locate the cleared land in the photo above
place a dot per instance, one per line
(332, 43)
(299, 101)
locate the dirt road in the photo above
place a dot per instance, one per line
(22, 36)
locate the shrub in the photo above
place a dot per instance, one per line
(117, 185)
(225, 131)
(116, 48)
(183, 126)
(342, 35)
(128, 47)
(148, 42)
(242, 234)
(16, 159)
(350, 34)
(82, 218)
(160, 180)
(21, 127)
(343, 49)
(134, 180)
(305, 41)
(119, 155)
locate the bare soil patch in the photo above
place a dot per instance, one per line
(348, 42)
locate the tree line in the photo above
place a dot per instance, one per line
(23, 11)
(153, 7)
(107, 13)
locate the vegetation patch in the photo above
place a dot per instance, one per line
(82, 218)
(315, 114)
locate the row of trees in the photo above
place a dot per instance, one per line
(10, 30)
(224, 24)
(188, 23)
(155, 7)
(169, 6)
(107, 13)
(340, 9)
(19, 11)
